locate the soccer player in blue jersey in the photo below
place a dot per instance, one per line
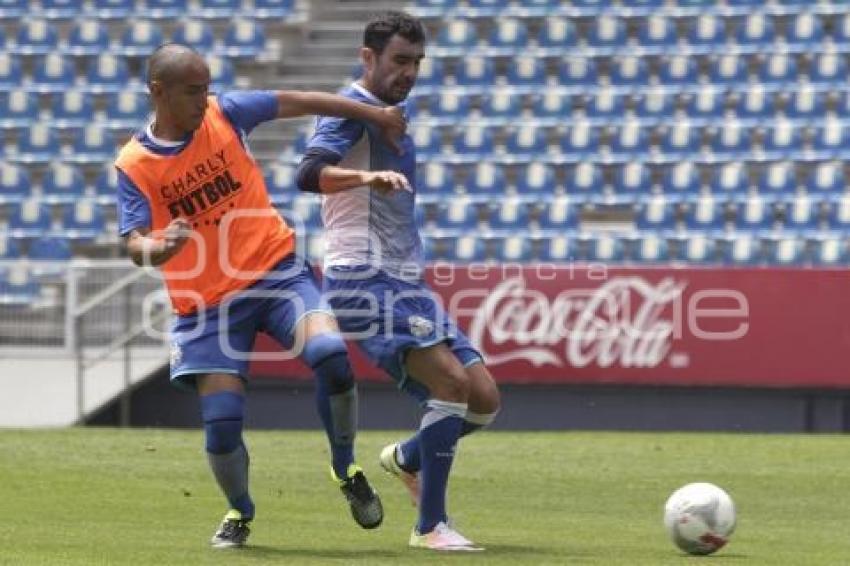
(192, 201)
(373, 277)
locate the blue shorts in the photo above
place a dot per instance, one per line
(220, 339)
(387, 317)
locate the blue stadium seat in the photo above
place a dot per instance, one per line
(475, 71)
(656, 214)
(826, 179)
(777, 179)
(88, 37)
(95, 144)
(280, 178)
(508, 32)
(558, 249)
(783, 140)
(559, 214)
(527, 142)
(273, 9)
(487, 179)
(36, 36)
(166, 8)
(657, 31)
(38, 144)
(502, 105)
(778, 69)
(553, 104)
(805, 28)
(527, 71)
(731, 139)
(435, 179)
(838, 216)
(29, 219)
(756, 104)
(655, 105)
(830, 251)
(741, 250)
(787, 251)
(196, 34)
(475, 142)
(512, 249)
(427, 141)
(606, 105)
(509, 214)
(466, 249)
(18, 109)
(9, 248)
(113, 9)
(606, 31)
(706, 31)
(842, 106)
(72, 108)
(603, 248)
(708, 103)
(459, 214)
(730, 181)
(696, 249)
(558, 33)
(803, 214)
(106, 182)
(18, 287)
(756, 29)
(11, 73)
(13, 9)
(729, 70)
(53, 73)
(83, 221)
(706, 215)
(429, 249)
(681, 140)
(489, 4)
(63, 183)
(841, 29)
(681, 181)
(754, 214)
(126, 110)
(678, 70)
(49, 248)
(584, 180)
(536, 178)
(806, 104)
(633, 179)
(578, 71)
(828, 68)
(629, 71)
(630, 141)
(831, 140)
(140, 37)
(15, 183)
(430, 72)
(439, 5)
(107, 73)
(457, 33)
(451, 105)
(649, 248)
(244, 38)
(219, 8)
(581, 141)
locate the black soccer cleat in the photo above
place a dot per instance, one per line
(233, 531)
(365, 504)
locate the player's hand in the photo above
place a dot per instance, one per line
(393, 126)
(386, 181)
(175, 235)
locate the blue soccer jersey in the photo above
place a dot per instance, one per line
(365, 226)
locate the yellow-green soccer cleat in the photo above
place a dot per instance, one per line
(365, 504)
(443, 538)
(233, 531)
(390, 465)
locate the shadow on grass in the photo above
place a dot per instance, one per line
(261, 552)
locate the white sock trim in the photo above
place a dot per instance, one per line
(440, 410)
(481, 419)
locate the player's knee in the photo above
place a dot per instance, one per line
(223, 414)
(487, 399)
(454, 386)
(327, 356)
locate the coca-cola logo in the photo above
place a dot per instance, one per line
(619, 323)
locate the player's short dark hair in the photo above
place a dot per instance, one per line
(167, 61)
(385, 25)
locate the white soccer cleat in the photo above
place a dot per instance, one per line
(390, 465)
(443, 538)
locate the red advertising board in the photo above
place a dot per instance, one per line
(769, 327)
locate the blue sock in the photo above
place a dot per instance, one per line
(438, 436)
(223, 415)
(407, 456)
(336, 396)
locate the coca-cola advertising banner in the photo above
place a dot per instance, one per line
(594, 324)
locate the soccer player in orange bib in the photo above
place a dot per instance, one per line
(192, 201)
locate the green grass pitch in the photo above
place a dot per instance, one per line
(104, 496)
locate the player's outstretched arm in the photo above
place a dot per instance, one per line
(333, 179)
(292, 104)
(147, 249)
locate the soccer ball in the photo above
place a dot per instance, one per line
(700, 518)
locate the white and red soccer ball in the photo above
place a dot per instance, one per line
(700, 518)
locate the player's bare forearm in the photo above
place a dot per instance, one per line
(333, 179)
(146, 249)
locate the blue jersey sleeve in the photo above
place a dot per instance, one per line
(134, 210)
(247, 109)
(337, 135)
